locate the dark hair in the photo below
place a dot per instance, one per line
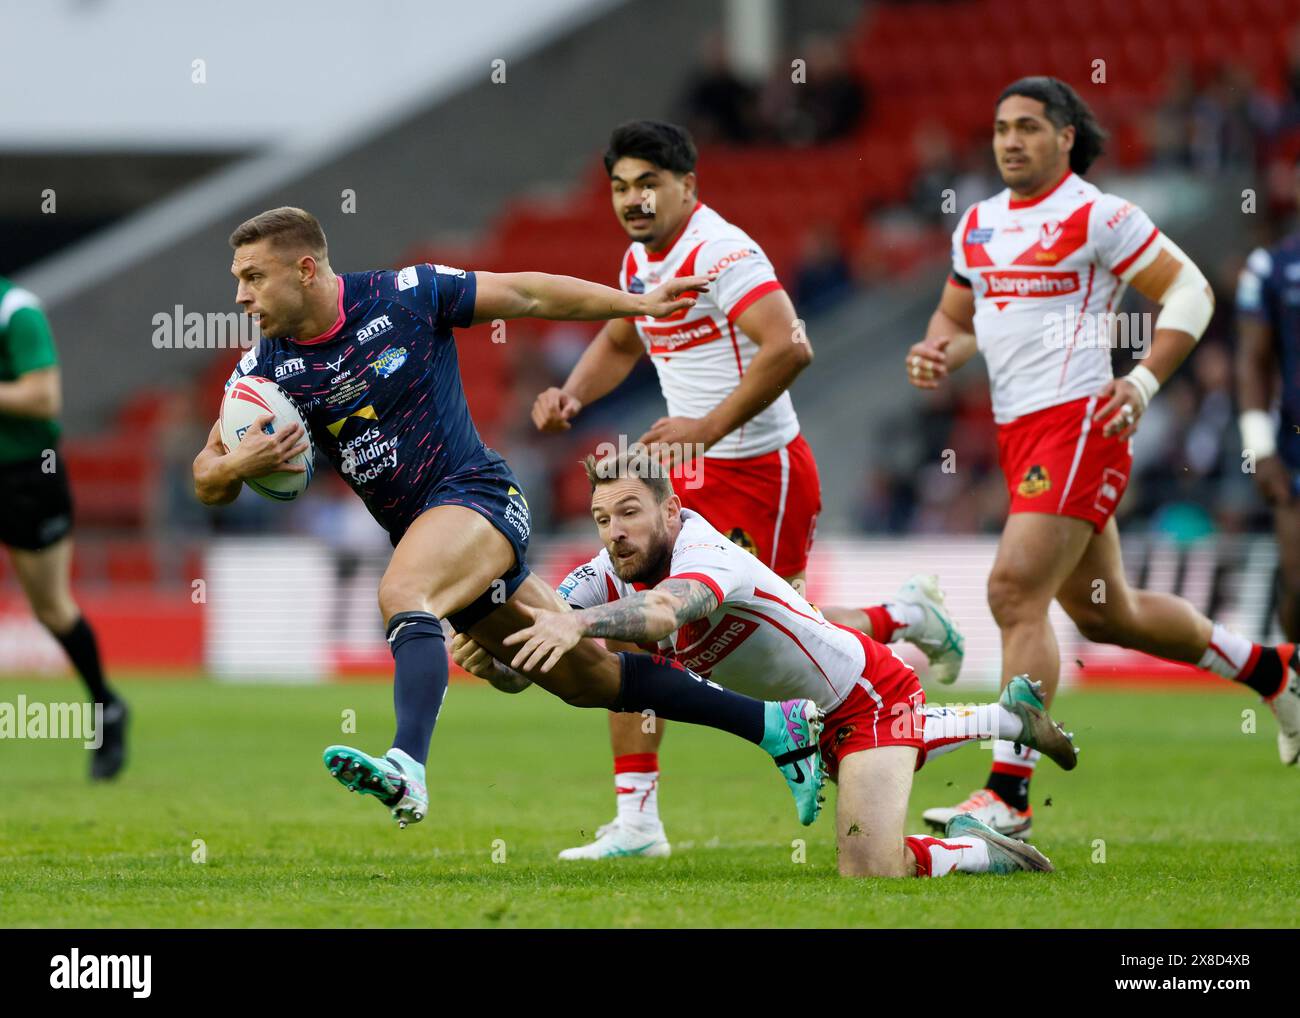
(285, 227)
(635, 462)
(664, 145)
(1063, 107)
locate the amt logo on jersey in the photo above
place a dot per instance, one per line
(292, 366)
(374, 327)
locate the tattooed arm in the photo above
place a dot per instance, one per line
(645, 617)
(650, 615)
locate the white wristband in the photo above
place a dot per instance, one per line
(1257, 433)
(1145, 382)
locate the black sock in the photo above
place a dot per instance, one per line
(82, 650)
(420, 680)
(1010, 788)
(1265, 678)
(674, 693)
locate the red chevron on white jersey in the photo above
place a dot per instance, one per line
(1082, 242)
(701, 353)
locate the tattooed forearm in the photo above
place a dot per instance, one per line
(694, 599)
(637, 619)
(650, 615)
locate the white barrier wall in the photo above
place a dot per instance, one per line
(325, 601)
(269, 610)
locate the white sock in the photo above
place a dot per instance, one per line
(937, 857)
(1227, 653)
(906, 616)
(637, 793)
(949, 728)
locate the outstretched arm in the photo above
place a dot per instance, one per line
(565, 298)
(645, 617)
(477, 661)
(649, 615)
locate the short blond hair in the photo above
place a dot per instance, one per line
(285, 227)
(637, 464)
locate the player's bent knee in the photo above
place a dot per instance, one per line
(1012, 599)
(397, 594)
(574, 689)
(57, 618)
(1101, 623)
(588, 676)
(1091, 623)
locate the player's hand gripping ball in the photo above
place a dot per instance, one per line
(280, 462)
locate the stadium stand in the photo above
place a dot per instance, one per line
(931, 66)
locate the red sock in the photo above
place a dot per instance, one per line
(919, 847)
(636, 763)
(882, 623)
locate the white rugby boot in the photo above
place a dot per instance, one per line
(938, 639)
(617, 841)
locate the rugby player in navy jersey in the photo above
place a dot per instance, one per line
(369, 359)
(1268, 369)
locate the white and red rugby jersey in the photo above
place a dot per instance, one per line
(763, 639)
(1042, 271)
(700, 353)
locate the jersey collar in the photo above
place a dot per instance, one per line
(1024, 203)
(333, 330)
(658, 256)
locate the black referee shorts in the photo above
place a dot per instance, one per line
(35, 505)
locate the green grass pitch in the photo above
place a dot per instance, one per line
(1175, 817)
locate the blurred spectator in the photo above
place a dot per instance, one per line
(1168, 128)
(1227, 122)
(1291, 114)
(1219, 127)
(834, 100)
(935, 173)
(828, 104)
(940, 469)
(975, 180)
(718, 105)
(822, 278)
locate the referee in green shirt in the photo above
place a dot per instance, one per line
(36, 505)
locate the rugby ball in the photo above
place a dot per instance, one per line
(246, 400)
